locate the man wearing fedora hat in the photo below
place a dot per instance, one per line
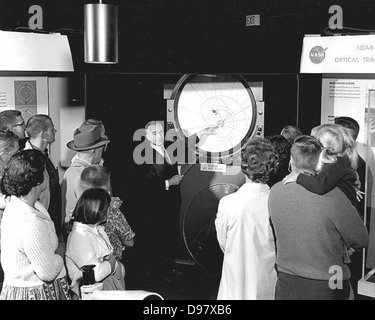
(89, 143)
(103, 132)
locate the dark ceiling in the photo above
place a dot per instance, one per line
(178, 36)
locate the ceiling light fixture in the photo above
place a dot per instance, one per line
(101, 33)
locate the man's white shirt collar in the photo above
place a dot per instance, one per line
(161, 150)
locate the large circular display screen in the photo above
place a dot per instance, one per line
(222, 101)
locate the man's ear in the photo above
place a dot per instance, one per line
(148, 136)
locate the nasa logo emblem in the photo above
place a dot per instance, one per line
(317, 54)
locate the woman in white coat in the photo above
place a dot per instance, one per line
(244, 232)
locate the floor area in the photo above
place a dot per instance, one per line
(183, 282)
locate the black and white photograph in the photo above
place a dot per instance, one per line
(187, 153)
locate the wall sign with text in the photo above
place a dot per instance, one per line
(338, 54)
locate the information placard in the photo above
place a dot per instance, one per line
(338, 54)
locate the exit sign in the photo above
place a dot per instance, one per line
(253, 20)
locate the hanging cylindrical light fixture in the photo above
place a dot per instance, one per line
(101, 33)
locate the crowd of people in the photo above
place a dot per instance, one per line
(293, 230)
(290, 235)
(52, 230)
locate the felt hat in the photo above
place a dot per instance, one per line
(87, 137)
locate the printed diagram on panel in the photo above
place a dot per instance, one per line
(25, 98)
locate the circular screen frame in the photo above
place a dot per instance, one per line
(230, 78)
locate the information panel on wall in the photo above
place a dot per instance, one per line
(350, 97)
(26, 94)
(347, 97)
(338, 54)
(347, 64)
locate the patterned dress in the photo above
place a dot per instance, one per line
(117, 228)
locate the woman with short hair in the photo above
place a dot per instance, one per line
(244, 231)
(33, 269)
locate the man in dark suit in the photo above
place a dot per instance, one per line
(159, 200)
(158, 194)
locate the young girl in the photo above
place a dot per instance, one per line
(88, 243)
(337, 165)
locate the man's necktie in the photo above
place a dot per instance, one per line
(166, 156)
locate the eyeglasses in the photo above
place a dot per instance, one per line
(19, 124)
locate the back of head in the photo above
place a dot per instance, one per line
(314, 131)
(290, 133)
(8, 118)
(95, 176)
(37, 124)
(305, 152)
(348, 123)
(258, 159)
(339, 140)
(281, 145)
(23, 171)
(8, 142)
(335, 137)
(8, 146)
(92, 206)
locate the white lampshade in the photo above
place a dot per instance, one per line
(101, 33)
(26, 51)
